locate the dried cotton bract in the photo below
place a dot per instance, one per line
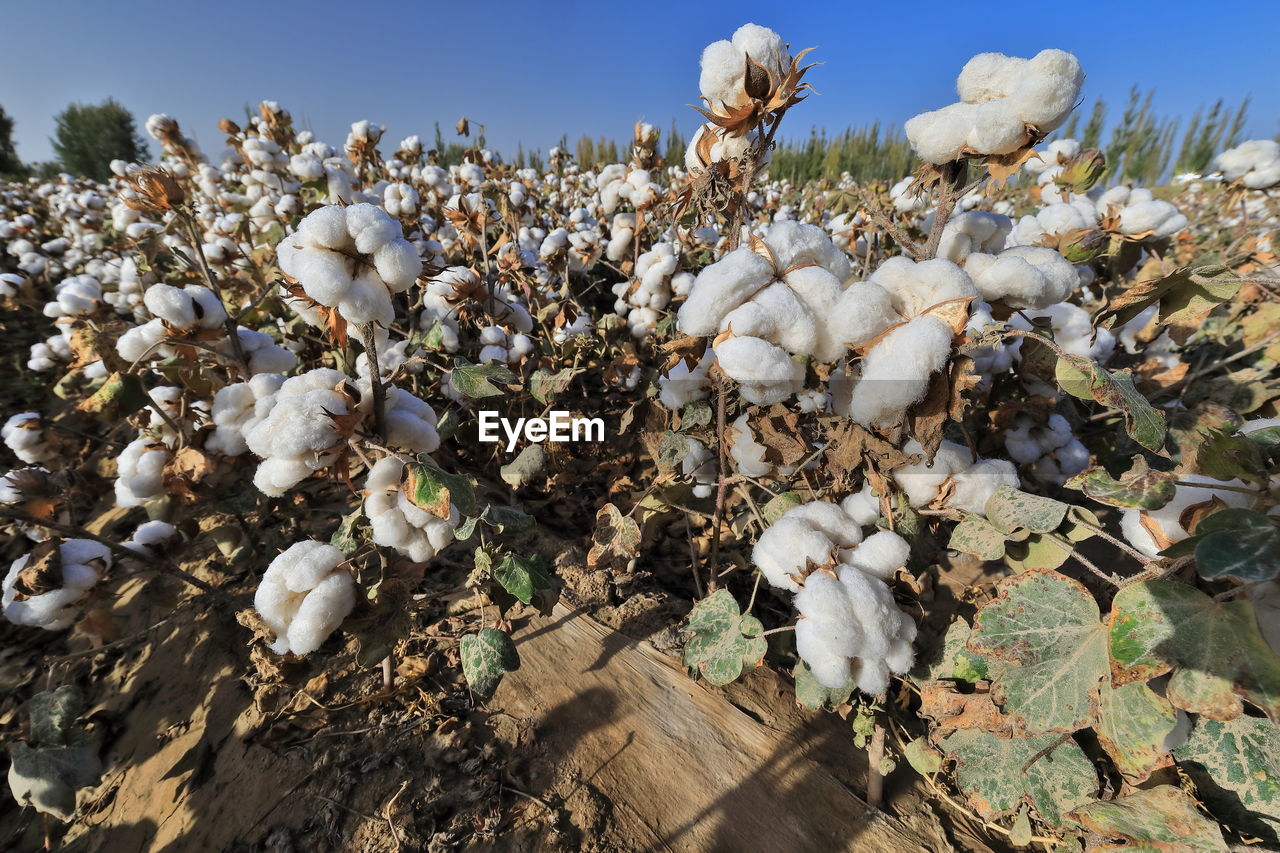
(1004, 102)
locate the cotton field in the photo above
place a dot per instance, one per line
(975, 467)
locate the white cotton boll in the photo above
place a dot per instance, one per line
(776, 315)
(170, 304)
(140, 472)
(1158, 216)
(1167, 519)
(788, 548)
(304, 596)
(896, 371)
(756, 362)
(1072, 330)
(973, 231)
(864, 310)
(410, 421)
(1050, 88)
(862, 506)
(23, 433)
(915, 287)
(828, 633)
(796, 243)
(150, 536)
(830, 520)
(84, 562)
(683, 385)
(997, 128)
(1023, 276)
(939, 136)
(921, 481)
(720, 288)
(988, 76)
(700, 467)
(977, 483)
(398, 265)
(747, 453)
(396, 522)
(880, 554)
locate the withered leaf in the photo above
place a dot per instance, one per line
(779, 431)
(42, 573)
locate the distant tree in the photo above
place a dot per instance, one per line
(90, 136)
(10, 165)
(675, 147)
(1093, 128)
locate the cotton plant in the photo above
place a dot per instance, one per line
(1135, 213)
(304, 596)
(397, 522)
(1050, 449)
(1006, 102)
(642, 299)
(1254, 164)
(1151, 531)
(79, 564)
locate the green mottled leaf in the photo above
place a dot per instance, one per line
(507, 519)
(118, 397)
(350, 533)
(673, 448)
(545, 385)
(1240, 543)
(1214, 649)
(1236, 768)
(432, 489)
(778, 505)
(954, 662)
(922, 757)
(524, 467)
(989, 772)
(1038, 551)
(49, 777)
(486, 658)
(1009, 509)
(1138, 488)
(1156, 820)
(477, 380)
(1046, 626)
(1082, 378)
(522, 576)
(811, 694)
(616, 537)
(979, 537)
(52, 714)
(724, 641)
(695, 414)
(1132, 722)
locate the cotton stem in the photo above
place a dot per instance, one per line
(375, 380)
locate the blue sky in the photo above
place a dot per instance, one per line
(531, 72)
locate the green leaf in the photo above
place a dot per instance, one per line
(813, 695)
(979, 537)
(1046, 626)
(477, 380)
(52, 714)
(118, 397)
(616, 537)
(989, 771)
(673, 448)
(1081, 378)
(1214, 649)
(1238, 542)
(724, 641)
(486, 658)
(1138, 488)
(521, 470)
(350, 533)
(695, 414)
(1038, 551)
(522, 576)
(432, 489)
(778, 506)
(1185, 296)
(922, 757)
(1236, 768)
(507, 519)
(545, 385)
(1157, 820)
(1132, 722)
(954, 662)
(1009, 509)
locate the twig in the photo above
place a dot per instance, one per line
(718, 518)
(952, 177)
(375, 379)
(230, 323)
(875, 757)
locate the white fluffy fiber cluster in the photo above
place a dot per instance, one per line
(1138, 212)
(724, 63)
(238, 408)
(352, 259)
(24, 435)
(972, 481)
(1072, 330)
(1051, 449)
(1255, 163)
(768, 310)
(684, 384)
(1000, 98)
(304, 596)
(140, 471)
(619, 183)
(499, 345)
(1020, 276)
(642, 299)
(84, 562)
(847, 610)
(397, 522)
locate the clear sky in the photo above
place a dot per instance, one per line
(530, 71)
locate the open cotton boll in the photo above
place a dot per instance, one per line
(683, 385)
(724, 63)
(410, 421)
(827, 634)
(776, 315)
(790, 547)
(84, 563)
(766, 372)
(397, 522)
(862, 506)
(1137, 525)
(150, 537)
(1255, 163)
(896, 371)
(299, 435)
(1156, 216)
(700, 467)
(989, 76)
(1051, 449)
(1050, 88)
(238, 408)
(721, 287)
(1058, 151)
(140, 472)
(914, 287)
(880, 554)
(940, 136)
(921, 481)
(904, 198)
(304, 596)
(23, 433)
(1072, 330)
(975, 485)
(973, 231)
(796, 243)
(1023, 276)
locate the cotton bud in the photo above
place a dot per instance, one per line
(1083, 171)
(1082, 245)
